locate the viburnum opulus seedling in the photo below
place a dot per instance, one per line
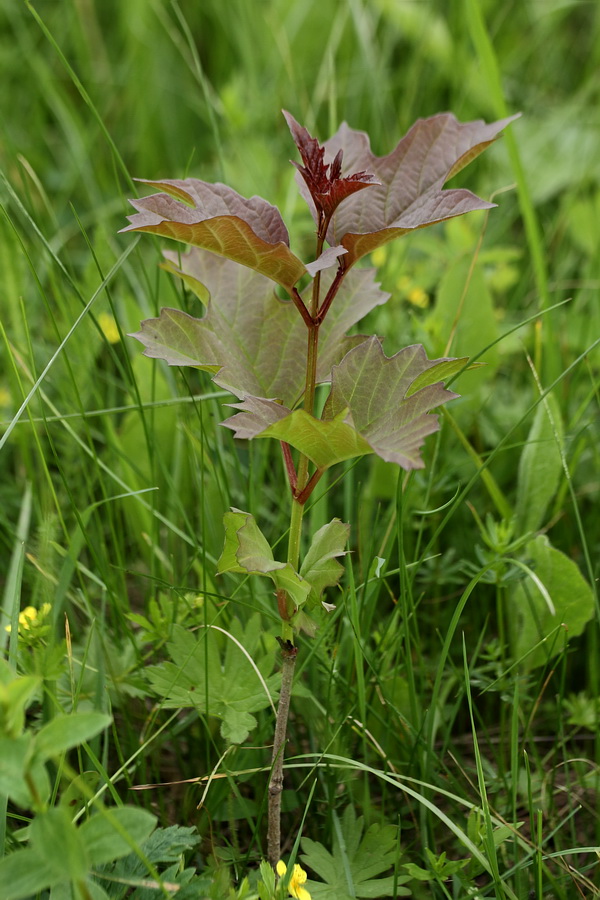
(272, 353)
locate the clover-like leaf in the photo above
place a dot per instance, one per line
(217, 218)
(247, 551)
(409, 194)
(254, 341)
(225, 685)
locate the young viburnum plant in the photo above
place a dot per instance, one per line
(271, 354)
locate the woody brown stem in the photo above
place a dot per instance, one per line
(289, 653)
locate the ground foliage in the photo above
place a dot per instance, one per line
(463, 648)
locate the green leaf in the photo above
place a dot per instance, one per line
(324, 442)
(25, 873)
(95, 891)
(58, 842)
(320, 566)
(247, 551)
(15, 762)
(16, 692)
(243, 311)
(237, 725)
(540, 466)
(350, 870)
(218, 219)
(64, 732)
(217, 684)
(168, 844)
(571, 596)
(464, 308)
(409, 194)
(103, 834)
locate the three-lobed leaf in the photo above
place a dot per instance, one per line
(247, 551)
(409, 194)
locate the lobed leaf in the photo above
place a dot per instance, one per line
(324, 442)
(350, 870)
(247, 551)
(409, 194)
(378, 404)
(225, 686)
(252, 342)
(215, 217)
(320, 566)
(376, 391)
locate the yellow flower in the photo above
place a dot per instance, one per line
(296, 881)
(31, 617)
(418, 297)
(109, 328)
(379, 256)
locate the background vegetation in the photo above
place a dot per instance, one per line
(115, 474)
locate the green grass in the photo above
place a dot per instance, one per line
(416, 704)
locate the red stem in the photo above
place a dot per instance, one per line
(335, 285)
(299, 304)
(289, 465)
(304, 494)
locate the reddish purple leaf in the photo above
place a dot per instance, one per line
(325, 184)
(217, 218)
(254, 341)
(374, 389)
(409, 194)
(377, 404)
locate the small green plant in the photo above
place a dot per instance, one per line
(273, 354)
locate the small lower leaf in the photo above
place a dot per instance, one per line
(320, 566)
(247, 550)
(226, 685)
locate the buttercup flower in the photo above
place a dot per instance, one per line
(31, 621)
(296, 881)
